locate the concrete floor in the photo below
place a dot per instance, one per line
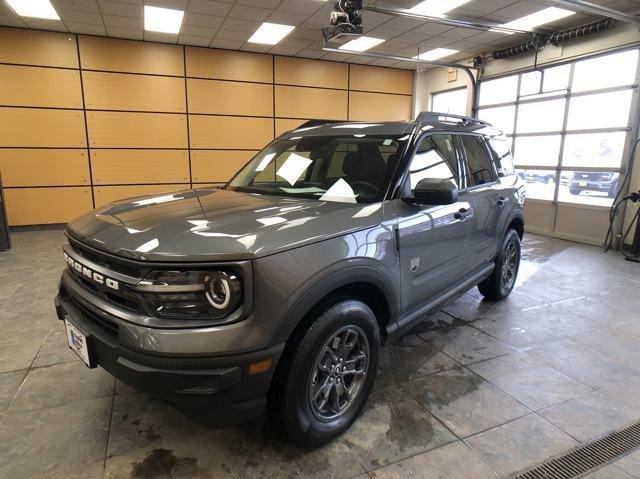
(479, 390)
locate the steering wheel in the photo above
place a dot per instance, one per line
(367, 186)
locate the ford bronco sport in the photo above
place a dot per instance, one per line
(276, 291)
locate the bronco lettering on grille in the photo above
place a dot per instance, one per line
(90, 274)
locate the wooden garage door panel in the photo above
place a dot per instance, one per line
(229, 65)
(539, 216)
(304, 72)
(379, 79)
(378, 107)
(582, 223)
(37, 206)
(130, 167)
(44, 167)
(136, 130)
(117, 91)
(230, 98)
(32, 47)
(36, 127)
(110, 54)
(316, 103)
(37, 86)
(283, 125)
(108, 194)
(230, 132)
(217, 166)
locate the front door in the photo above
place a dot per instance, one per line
(432, 239)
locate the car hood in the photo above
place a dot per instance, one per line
(216, 225)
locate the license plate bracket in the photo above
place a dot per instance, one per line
(79, 343)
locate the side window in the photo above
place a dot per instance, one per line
(479, 165)
(435, 158)
(501, 151)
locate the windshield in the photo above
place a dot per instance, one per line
(345, 169)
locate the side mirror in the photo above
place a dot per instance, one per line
(433, 191)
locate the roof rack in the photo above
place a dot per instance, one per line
(310, 123)
(431, 116)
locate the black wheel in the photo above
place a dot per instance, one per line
(330, 375)
(575, 191)
(501, 282)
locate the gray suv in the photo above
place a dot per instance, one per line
(276, 291)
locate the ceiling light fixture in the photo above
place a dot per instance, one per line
(435, 54)
(536, 19)
(437, 8)
(34, 9)
(361, 44)
(270, 33)
(164, 20)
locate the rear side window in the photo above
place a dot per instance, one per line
(479, 165)
(435, 158)
(501, 152)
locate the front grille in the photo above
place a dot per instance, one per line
(106, 325)
(106, 261)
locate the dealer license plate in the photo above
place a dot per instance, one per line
(77, 342)
(583, 183)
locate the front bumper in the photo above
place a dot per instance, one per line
(587, 185)
(219, 384)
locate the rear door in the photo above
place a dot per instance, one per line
(481, 190)
(432, 239)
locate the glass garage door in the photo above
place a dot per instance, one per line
(570, 128)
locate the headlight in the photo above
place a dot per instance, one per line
(191, 294)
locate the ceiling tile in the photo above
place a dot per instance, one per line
(410, 37)
(432, 28)
(316, 22)
(130, 33)
(249, 13)
(256, 47)
(194, 30)
(259, 3)
(241, 25)
(516, 10)
(81, 5)
(81, 17)
(308, 53)
(306, 33)
(295, 42)
(86, 28)
(195, 40)
(383, 62)
(173, 4)
(200, 20)
(120, 9)
(122, 22)
(232, 35)
(302, 6)
(371, 20)
(42, 24)
(226, 44)
(283, 50)
(160, 37)
(403, 23)
(459, 33)
(209, 7)
(336, 57)
(11, 21)
(287, 18)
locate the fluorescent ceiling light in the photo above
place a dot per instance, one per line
(536, 19)
(436, 54)
(437, 8)
(270, 33)
(165, 20)
(34, 8)
(361, 44)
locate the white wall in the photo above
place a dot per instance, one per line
(435, 79)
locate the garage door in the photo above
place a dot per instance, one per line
(570, 125)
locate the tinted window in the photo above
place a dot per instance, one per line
(435, 158)
(479, 167)
(501, 151)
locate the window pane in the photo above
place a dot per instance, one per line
(530, 83)
(500, 148)
(537, 150)
(556, 78)
(602, 150)
(541, 116)
(606, 71)
(541, 184)
(435, 158)
(502, 118)
(479, 166)
(605, 110)
(501, 90)
(454, 101)
(589, 188)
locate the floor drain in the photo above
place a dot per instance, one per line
(588, 456)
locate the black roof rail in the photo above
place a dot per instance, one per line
(310, 123)
(432, 116)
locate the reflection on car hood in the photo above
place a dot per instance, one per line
(214, 225)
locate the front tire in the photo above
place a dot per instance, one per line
(331, 373)
(503, 278)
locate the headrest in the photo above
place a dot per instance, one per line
(358, 166)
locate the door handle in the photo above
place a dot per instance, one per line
(502, 201)
(463, 213)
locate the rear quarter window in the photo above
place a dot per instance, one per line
(500, 148)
